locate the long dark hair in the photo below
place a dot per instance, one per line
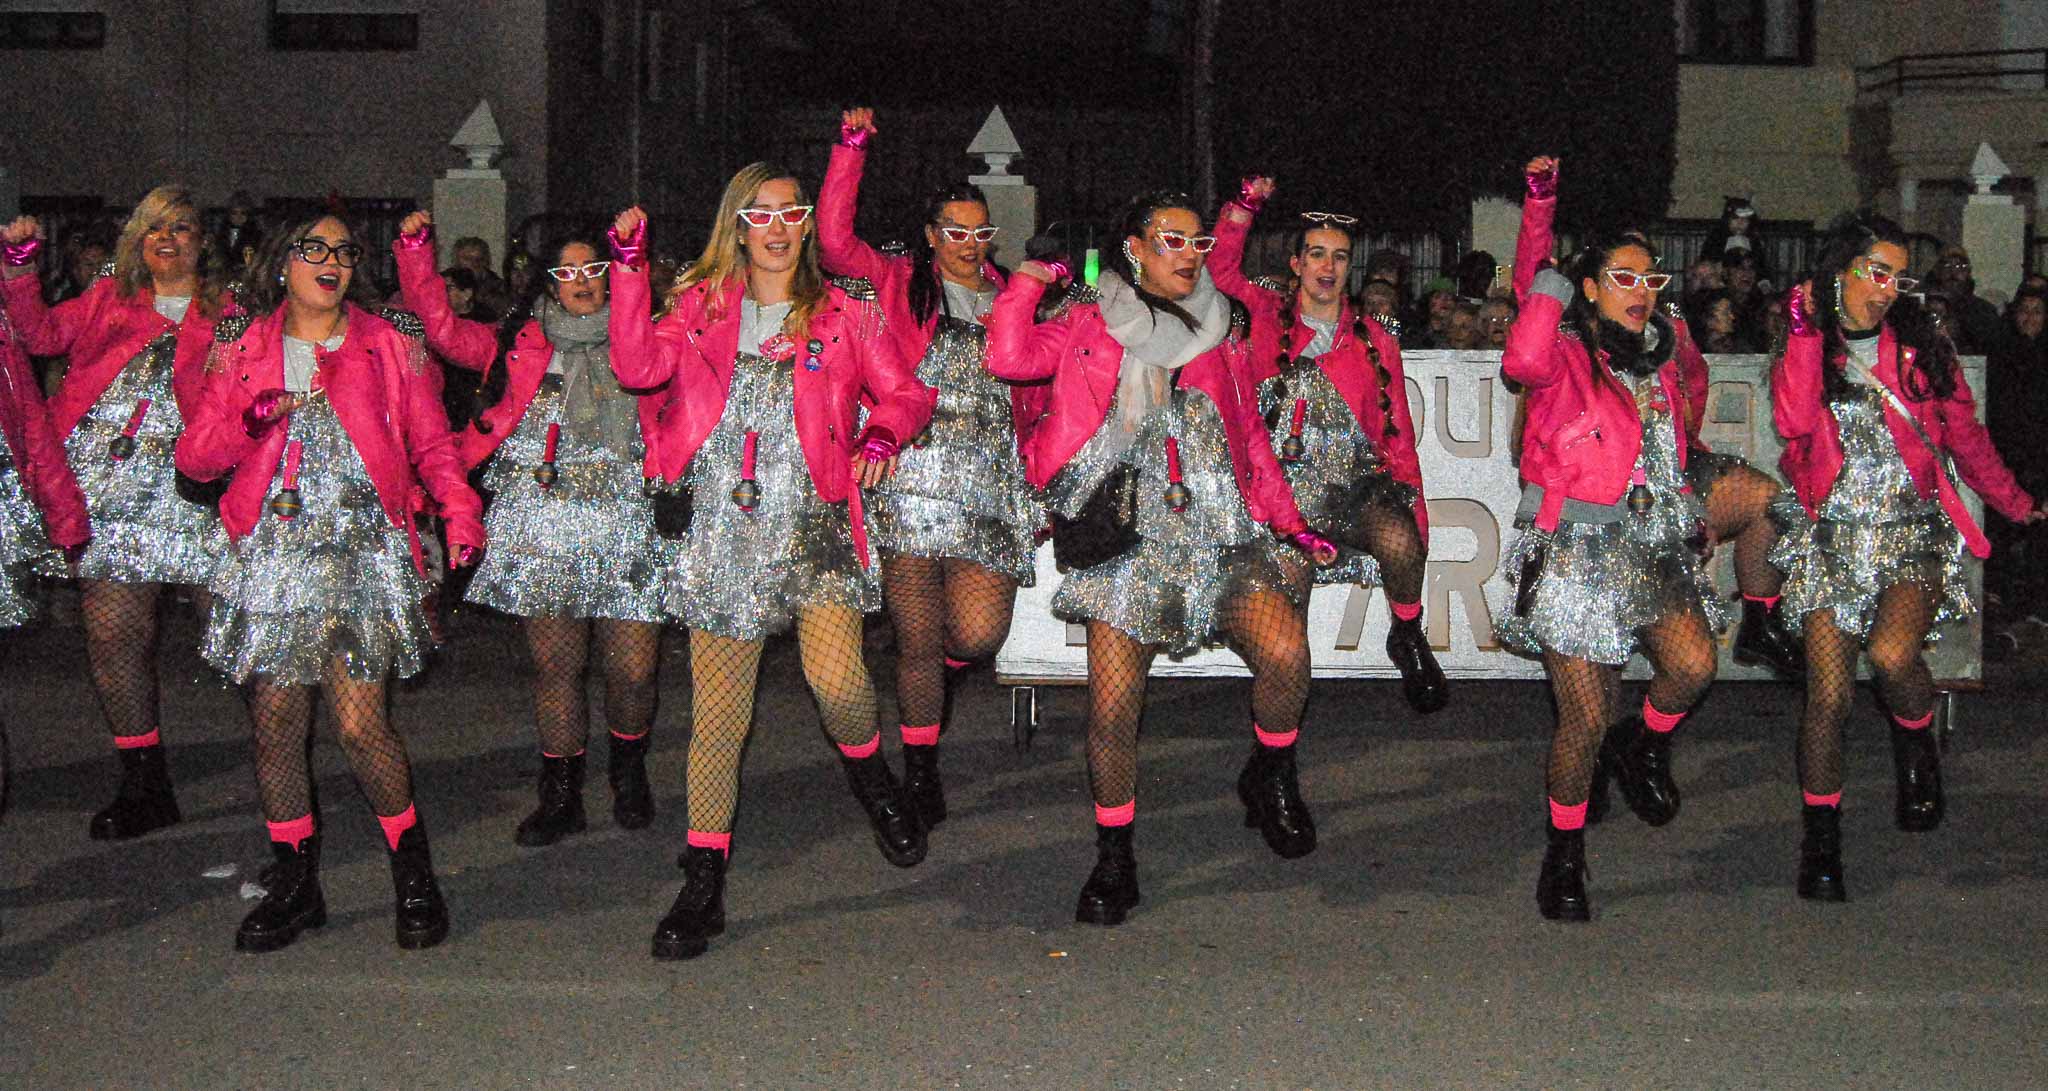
(925, 289)
(1933, 374)
(263, 290)
(1136, 217)
(1297, 241)
(525, 309)
(1627, 351)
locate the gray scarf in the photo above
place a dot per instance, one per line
(1157, 345)
(589, 389)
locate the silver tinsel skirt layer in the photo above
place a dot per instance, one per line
(583, 547)
(1335, 454)
(1587, 590)
(1355, 566)
(1844, 567)
(142, 530)
(1171, 588)
(336, 581)
(744, 574)
(959, 488)
(25, 552)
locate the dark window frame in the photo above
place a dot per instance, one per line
(343, 32)
(53, 31)
(1743, 58)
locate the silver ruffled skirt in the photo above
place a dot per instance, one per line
(959, 489)
(1844, 567)
(336, 581)
(25, 551)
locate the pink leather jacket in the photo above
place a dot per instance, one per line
(1346, 365)
(101, 331)
(1077, 353)
(391, 413)
(37, 453)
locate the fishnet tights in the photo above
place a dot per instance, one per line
(121, 651)
(1738, 509)
(723, 675)
(628, 652)
(1265, 630)
(1393, 539)
(1681, 650)
(1905, 613)
(283, 721)
(941, 607)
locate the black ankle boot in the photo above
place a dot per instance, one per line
(1764, 641)
(1271, 793)
(144, 802)
(699, 912)
(921, 785)
(1561, 885)
(1422, 681)
(1820, 856)
(292, 901)
(1639, 761)
(1112, 888)
(632, 796)
(898, 833)
(422, 915)
(561, 803)
(1916, 758)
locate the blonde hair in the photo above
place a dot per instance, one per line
(131, 273)
(725, 260)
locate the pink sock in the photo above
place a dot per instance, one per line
(629, 738)
(577, 754)
(864, 750)
(1116, 816)
(1663, 723)
(928, 735)
(956, 664)
(292, 832)
(1832, 799)
(1914, 725)
(1567, 818)
(1770, 602)
(1405, 611)
(1277, 741)
(704, 839)
(396, 825)
(137, 742)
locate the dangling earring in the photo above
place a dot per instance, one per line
(280, 280)
(1132, 257)
(1840, 310)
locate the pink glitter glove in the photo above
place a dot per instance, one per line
(877, 444)
(265, 413)
(1315, 545)
(629, 251)
(1248, 197)
(1542, 184)
(23, 252)
(1057, 268)
(1798, 317)
(423, 237)
(855, 136)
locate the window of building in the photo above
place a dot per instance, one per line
(345, 24)
(52, 24)
(1744, 31)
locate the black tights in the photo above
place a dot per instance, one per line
(628, 653)
(283, 720)
(1263, 627)
(1681, 648)
(1905, 613)
(941, 607)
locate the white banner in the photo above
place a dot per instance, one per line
(1465, 418)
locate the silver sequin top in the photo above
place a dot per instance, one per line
(1215, 515)
(1874, 486)
(1336, 449)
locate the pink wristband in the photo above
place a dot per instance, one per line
(423, 237)
(1248, 197)
(629, 251)
(23, 252)
(854, 136)
(1543, 184)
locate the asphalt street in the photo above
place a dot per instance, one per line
(1406, 951)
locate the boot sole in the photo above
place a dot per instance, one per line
(680, 949)
(541, 839)
(633, 820)
(102, 827)
(1282, 849)
(262, 943)
(903, 859)
(423, 939)
(1567, 914)
(1827, 892)
(1108, 916)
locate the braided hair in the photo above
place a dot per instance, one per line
(1297, 242)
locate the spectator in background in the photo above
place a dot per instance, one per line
(462, 295)
(1704, 276)
(1391, 267)
(1740, 273)
(1973, 322)
(82, 263)
(1737, 234)
(494, 291)
(1496, 317)
(1713, 322)
(1382, 301)
(1777, 324)
(1461, 327)
(1475, 274)
(240, 234)
(1432, 316)
(2016, 397)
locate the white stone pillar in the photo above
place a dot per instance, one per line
(1909, 203)
(1496, 225)
(470, 201)
(1012, 202)
(1994, 231)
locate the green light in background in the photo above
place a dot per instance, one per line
(1091, 264)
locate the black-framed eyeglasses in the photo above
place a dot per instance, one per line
(316, 252)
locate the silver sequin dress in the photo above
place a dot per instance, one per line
(584, 547)
(142, 530)
(25, 550)
(337, 580)
(1597, 585)
(1874, 531)
(742, 574)
(1337, 454)
(959, 488)
(1171, 588)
